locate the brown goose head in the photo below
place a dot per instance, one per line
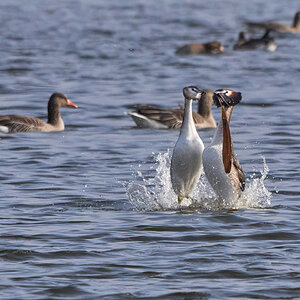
(56, 101)
(61, 100)
(214, 47)
(242, 38)
(296, 22)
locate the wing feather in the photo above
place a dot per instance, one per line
(172, 118)
(21, 124)
(169, 117)
(240, 172)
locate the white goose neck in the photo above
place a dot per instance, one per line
(188, 127)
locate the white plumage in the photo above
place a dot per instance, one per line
(4, 129)
(186, 163)
(213, 166)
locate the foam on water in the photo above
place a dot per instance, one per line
(156, 193)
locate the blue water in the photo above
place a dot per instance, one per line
(89, 213)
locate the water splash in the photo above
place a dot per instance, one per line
(156, 193)
(256, 193)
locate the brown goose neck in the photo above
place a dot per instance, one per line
(296, 22)
(204, 106)
(53, 112)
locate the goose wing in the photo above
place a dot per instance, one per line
(16, 123)
(172, 118)
(175, 118)
(240, 172)
(169, 117)
(272, 26)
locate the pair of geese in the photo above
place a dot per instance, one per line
(222, 168)
(243, 43)
(266, 40)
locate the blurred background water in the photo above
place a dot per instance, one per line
(88, 213)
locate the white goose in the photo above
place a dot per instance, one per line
(221, 167)
(186, 163)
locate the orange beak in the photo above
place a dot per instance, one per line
(71, 104)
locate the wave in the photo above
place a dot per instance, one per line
(156, 193)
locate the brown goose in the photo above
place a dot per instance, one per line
(222, 169)
(278, 27)
(148, 116)
(214, 47)
(265, 42)
(14, 123)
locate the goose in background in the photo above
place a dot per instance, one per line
(186, 162)
(214, 47)
(221, 167)
(278, 27)
(15, 123)
(265, 42)
(151, 116)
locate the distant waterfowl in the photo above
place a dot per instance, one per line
(278, 27)
(221, 167)
(214, 47)
(150, 116)
(266, 42)
(15, 123)
(186, 162)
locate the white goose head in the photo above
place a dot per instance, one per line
(192, 93)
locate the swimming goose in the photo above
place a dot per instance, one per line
(277, 27)
(14, 123)
(221, 167)
(186, 162)
(150, 116)
(214, 47)
(265, 42)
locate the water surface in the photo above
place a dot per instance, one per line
(88, 213)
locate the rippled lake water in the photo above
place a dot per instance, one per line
(89, 213)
